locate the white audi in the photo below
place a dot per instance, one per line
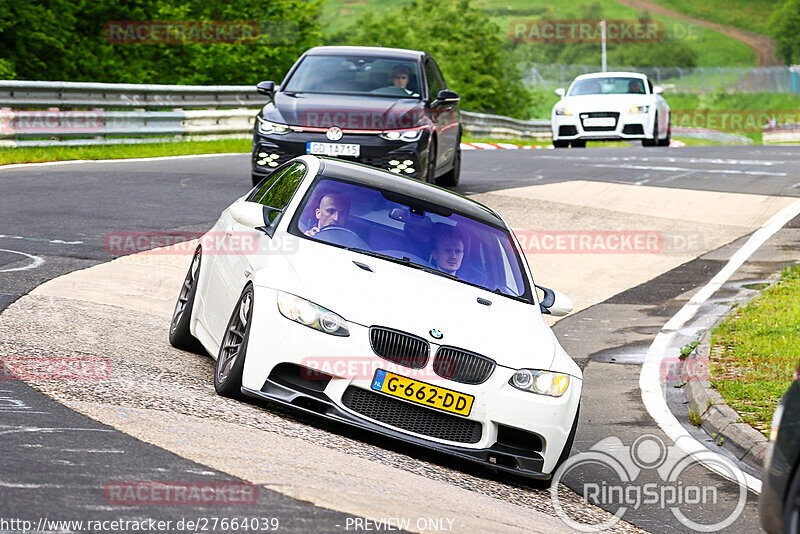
(388, 304)
(606, 106)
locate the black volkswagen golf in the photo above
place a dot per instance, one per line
(385, 107)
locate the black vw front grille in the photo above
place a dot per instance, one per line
(398, 347)
(462, 366)
(416, 419)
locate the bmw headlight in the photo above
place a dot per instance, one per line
(309, 314)
(563, 111)
(270, 128)
(541, 382)
(639, 109)
(408, 136)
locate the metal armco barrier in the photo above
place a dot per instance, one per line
(20, 94)
(73, 113)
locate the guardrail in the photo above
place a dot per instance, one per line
(162, 110)
(19, 94)
(151, 111)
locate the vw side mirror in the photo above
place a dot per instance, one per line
(266, 88)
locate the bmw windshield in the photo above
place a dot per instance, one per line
(397, 228)
(357, 75)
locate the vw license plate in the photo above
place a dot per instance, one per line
(422, 393)
(333, 149)
(599, 121)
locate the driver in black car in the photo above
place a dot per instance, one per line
(332, 211)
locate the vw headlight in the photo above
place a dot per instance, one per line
(639, 109)
(563, 111)
(309, 314)
(541, 382)
(408, 136)
(270, 128)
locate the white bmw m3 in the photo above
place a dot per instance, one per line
(606, 106)
(388, 304)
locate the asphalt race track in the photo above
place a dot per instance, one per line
(55, 219)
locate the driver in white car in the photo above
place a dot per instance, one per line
(332, 211)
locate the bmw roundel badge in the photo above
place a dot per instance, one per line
(436, 334)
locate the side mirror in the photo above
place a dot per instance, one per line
(554, 302)
(560, 92)
(446, 97)
(266, 88)
(253, 215)
(658, 90)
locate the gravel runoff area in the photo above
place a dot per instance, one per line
(120, 311)
(166, 397)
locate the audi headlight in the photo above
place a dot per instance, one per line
(639, 109)
(408, 136)
(541, 382)
(271, 128)
(563, 111)
(311, 315)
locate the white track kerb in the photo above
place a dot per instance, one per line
(649, 379)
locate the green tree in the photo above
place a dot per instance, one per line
(785, 22)
(64, 40)
(465, 43)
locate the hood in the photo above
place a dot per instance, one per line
(512, 333)
(346, 112)
(621, 103)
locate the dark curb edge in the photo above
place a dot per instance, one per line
(719, 420)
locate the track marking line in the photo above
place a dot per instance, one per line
(41, 239)
(120, 160)
(37, 261)
(649, 379)
(684, 169)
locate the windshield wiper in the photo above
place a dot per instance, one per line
(404, 261)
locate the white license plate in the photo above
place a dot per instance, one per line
(599, 121)
(333, 149)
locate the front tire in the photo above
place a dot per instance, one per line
(232, 350)
(578, 143)
(654, 140)
(791, 507)
(560, 144)
(180, 336)
(451, 177)
(430, 168)
(545, 484)
(668, 138)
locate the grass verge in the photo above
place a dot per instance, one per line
(143, 150)
(755, 351)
